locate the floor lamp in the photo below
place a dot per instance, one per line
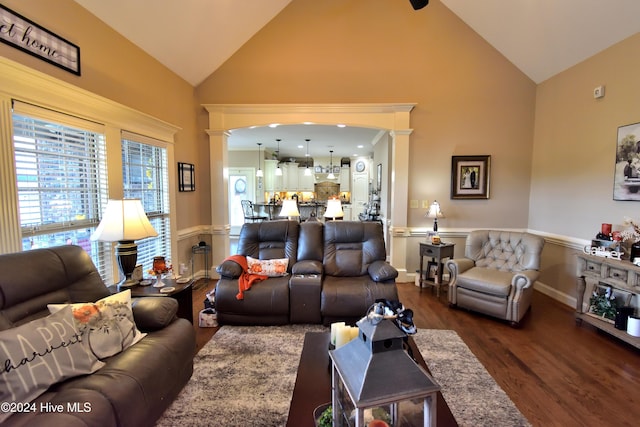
(124, 221)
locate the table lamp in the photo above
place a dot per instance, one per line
(124, 221)
(289, 209)
(435, 213)
(334, 209)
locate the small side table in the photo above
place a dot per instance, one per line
(204, 250)
(437, 253)
(182, 293)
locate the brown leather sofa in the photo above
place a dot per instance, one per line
(136, 385)
(337, 271)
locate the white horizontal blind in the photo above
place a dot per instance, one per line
(61, 171)
(145, 177)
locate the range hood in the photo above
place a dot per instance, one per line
(326, 190)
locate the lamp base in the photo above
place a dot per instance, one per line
(127, 256)
(127, 283)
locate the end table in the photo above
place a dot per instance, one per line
(437, 253)
(182, 293)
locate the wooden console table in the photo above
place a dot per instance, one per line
(593, 270)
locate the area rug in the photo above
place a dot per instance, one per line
(473, 396)
(245, 377)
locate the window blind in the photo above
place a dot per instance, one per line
(62, 182)
(145, 177)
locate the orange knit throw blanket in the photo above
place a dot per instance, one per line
(246, 279)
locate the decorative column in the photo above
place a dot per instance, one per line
(218, 165)
(399, 231)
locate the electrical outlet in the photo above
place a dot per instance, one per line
(425, 204)
(413, 204)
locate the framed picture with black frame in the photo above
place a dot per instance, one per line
(470, 177)
(186, 177)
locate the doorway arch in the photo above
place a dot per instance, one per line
(394, 118)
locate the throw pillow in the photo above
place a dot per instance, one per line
(268, 267)
(41, 353)
(107, 326)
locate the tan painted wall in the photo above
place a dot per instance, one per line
(574, 152)
(113, 67)
(471, 100)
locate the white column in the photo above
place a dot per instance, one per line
(219, 170)
(399, 201)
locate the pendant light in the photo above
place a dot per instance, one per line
(307, 171)
(331, 175)
(278, 170)
(259, 173)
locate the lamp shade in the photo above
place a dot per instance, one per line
(434, 211)
(334, 209)
(124, 220)
(289, 208)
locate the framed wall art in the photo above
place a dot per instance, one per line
(23, 34)
(379, 178)
(470, 177)
(186, 177)
(626, 180)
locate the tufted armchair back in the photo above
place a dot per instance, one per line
(504, 250)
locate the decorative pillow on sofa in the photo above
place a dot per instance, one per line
(107, 326)
(268, 267)
(41, 353)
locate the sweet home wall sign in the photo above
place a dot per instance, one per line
(29, 37)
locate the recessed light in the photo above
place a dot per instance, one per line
(340, 125)
(360, 146)
(274, 125)
(307, 123)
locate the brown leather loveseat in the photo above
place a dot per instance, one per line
(131, 388)
(335, 272)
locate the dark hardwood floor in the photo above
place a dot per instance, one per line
(556, 372)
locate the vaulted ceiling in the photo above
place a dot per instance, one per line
(541, 37)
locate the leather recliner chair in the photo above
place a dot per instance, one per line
(266, 303)
(497, 274)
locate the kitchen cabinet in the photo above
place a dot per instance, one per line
(345, 178)
(289, 176)
(271, 181)
(347, 212)
(305, 182)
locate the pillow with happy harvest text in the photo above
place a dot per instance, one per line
(268, 267)
(107, 326)
(41, 353)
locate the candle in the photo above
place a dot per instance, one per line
(606, 229)
(343, 336)
(354, 332)
(334, 329)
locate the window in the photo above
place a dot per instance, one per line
(145, 177)
(62, 180)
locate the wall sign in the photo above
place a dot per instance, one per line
(29, 37)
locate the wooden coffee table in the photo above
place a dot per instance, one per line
(313, 383)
